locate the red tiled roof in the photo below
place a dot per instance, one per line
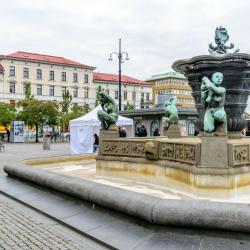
(1, 69)
(115, 78)
(45, 58)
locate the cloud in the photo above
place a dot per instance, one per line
(155, 33)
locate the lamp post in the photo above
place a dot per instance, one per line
(120, 59)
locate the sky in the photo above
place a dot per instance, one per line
(155, 33)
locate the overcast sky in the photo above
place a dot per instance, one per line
(155, 33)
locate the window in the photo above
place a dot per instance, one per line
(107, 92)
(64, 76)
(39, 74)
(133, 96)
(52, 75)
(39, 89)
(86, 93)
(51, 90)
(12, 71)
(26, 72)
(86, 78)
(63, 91)
(116, 94)
(142, 97)
(75, 77)
(75, 92)
(147, 96)
(12, 87)
(191, 128)
(125, 95)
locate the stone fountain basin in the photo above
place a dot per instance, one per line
(154, 178)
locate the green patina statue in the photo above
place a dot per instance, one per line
(171, 112)
(221, 37)
(109, 113)
(213, 98)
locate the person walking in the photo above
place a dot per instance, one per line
(8, 133)
(96, 143)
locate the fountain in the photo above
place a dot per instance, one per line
(217, 163)
(214, 166)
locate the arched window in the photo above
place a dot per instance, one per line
(153, 126)
(191, 128)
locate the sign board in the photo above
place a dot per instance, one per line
(17, 131)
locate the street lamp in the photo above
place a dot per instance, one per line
(120, 58)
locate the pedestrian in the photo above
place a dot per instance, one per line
(96, 143)
(142, 131)
(157, 132)
(122, 132)
(8, 133)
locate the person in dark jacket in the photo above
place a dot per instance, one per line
(122, 132)
(157, 132)
(142, 131)
(96, 143)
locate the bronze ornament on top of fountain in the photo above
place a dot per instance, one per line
(221, 38)
(235, 68)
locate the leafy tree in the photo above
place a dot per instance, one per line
(65, 104)
(76, 111)
(129, 106)
(28, 90)
(38, 113)
(7, 113)
(99, 89)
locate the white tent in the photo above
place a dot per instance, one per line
(83, 128)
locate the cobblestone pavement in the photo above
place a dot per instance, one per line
(20, 231)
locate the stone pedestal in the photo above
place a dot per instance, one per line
(173, 131)
(107, 134)
(214, 152)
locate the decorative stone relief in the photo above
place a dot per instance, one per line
(137, 148)
(151, 150)
(241, 154)
(110, 147)
(178, 152)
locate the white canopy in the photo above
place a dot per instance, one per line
(83, 128)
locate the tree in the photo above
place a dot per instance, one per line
(38, 113)
(28, 90)
(76, 111)
(99, 89)
(7, 113)
(65, 104)
(129, 106)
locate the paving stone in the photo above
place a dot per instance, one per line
(19, 231)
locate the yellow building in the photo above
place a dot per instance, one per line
(50, 77)
(172, 83)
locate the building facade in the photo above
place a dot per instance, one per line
(172, 83)
(136, 92)
(50, 77)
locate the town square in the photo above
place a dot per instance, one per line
(124, 125)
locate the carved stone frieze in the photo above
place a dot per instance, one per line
(241, 154)
(178, 152)
(151, 149)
